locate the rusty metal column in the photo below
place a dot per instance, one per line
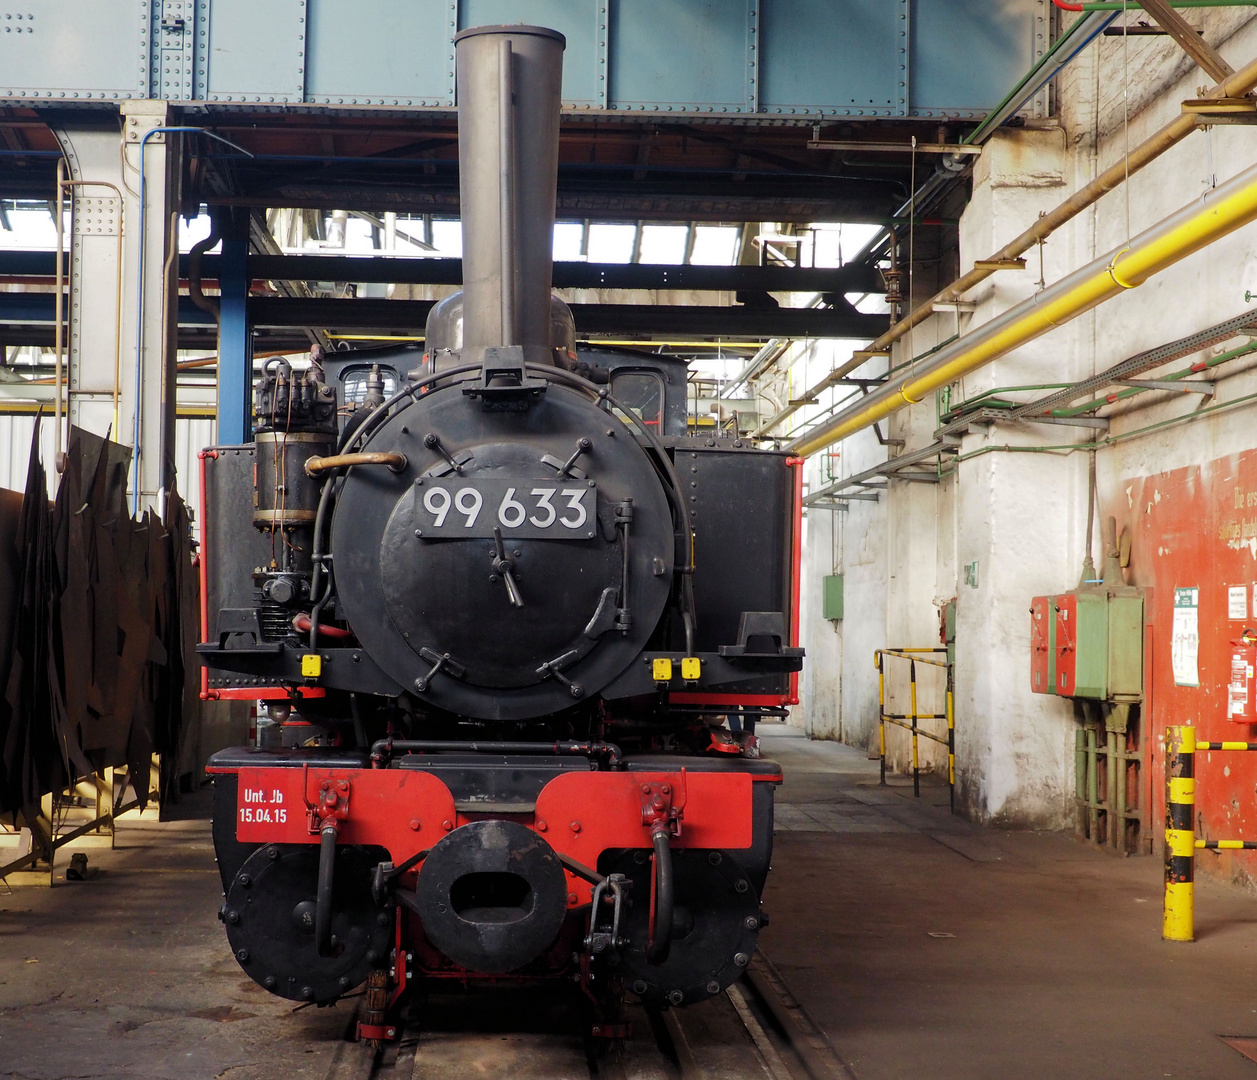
(1180, 840)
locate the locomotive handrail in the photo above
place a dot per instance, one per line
(316, 465)
(382, 749)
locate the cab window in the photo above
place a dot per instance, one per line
(640, 392)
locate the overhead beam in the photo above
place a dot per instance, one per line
(30, 266)
(740, 320)
(34, 311)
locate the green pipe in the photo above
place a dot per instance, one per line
(1113, 440)
(1132, 5)
(970, 403)
(1131, 391)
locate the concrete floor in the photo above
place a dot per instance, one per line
(1048, 960)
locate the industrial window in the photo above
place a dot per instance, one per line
(642, 393)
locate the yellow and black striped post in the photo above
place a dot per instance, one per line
(881, 714)
(916, 759)
(951, 737)
(1180, 838)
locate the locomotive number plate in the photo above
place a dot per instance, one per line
(451, 507)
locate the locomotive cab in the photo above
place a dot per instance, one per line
(503, 603)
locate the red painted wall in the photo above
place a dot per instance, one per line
(1197, 527)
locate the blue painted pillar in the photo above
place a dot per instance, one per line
(235, 342)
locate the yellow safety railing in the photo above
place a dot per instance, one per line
(909, 720)
(1181, 844)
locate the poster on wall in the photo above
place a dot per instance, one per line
(1185, 637)
(1237, 602)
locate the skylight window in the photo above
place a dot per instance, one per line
(715, 245)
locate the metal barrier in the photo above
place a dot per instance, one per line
(1181, 845)
(908, 721)
(57, 819)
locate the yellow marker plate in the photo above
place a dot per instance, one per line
(691, 668)
(311, 666)
(661, 668)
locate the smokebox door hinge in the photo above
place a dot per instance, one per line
(504, 384)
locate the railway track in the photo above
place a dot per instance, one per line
(756, 1030)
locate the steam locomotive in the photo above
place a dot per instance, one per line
(518, 625)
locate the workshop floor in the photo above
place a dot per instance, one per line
(928, 949)
(931, 949)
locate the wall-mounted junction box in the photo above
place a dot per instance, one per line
(831, 597)
(1088, 644)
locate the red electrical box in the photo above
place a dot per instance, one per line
(1066, 644)
(1241, 706)
(1043, 645)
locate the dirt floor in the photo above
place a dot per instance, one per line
(924, 946)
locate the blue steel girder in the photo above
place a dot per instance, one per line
(754, 59)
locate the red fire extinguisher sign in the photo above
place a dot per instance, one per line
(1241, 707)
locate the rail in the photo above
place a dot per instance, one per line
(698, 1042)
(909, 720)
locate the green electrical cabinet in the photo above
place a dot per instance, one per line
(1126, 645)
(1092, 647)
(1090, 634)
(831, 597)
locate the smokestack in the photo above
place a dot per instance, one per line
(509, 81)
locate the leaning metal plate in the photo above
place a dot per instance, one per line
(1245, 1044)
(468, 508)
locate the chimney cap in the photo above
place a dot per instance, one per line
(518, 28)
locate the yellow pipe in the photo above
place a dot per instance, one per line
(1238, 85)
(1217, 214)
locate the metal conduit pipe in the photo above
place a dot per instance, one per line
(1214, 215)
(1149, 150)
(768, 354)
